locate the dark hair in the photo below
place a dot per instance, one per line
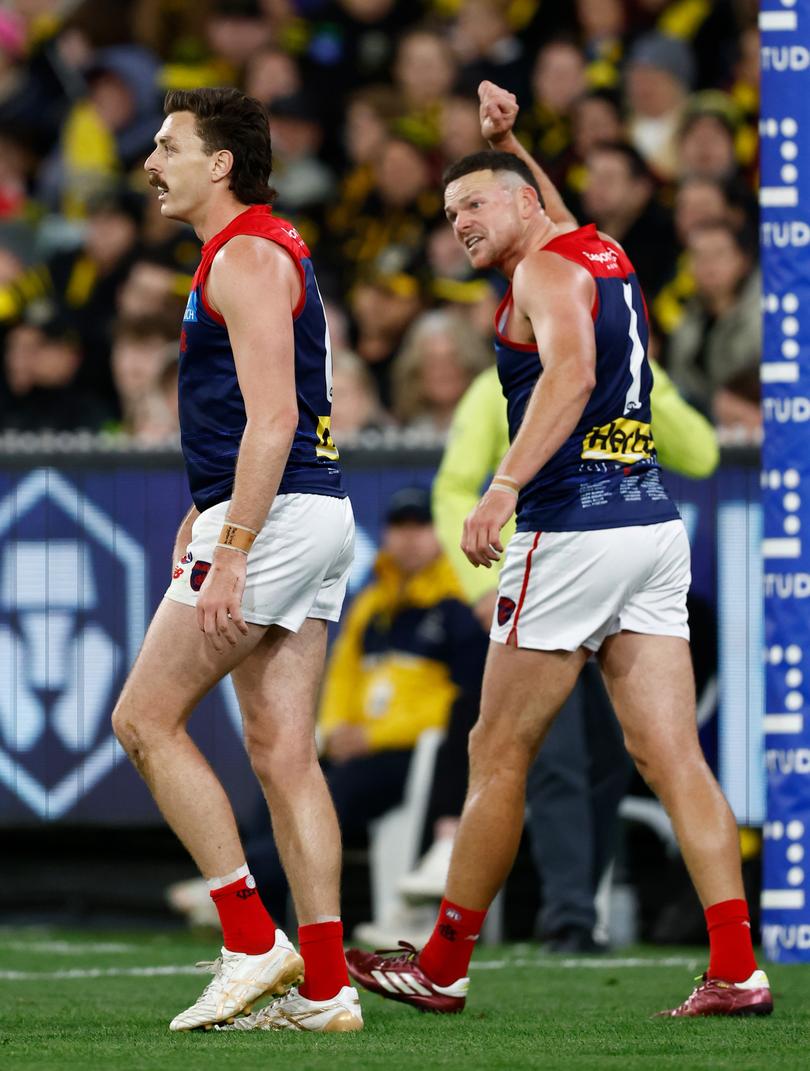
(636, 164)
(228, 119)
(742, 237)
(490, 160)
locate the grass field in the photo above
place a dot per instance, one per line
(100, 1001)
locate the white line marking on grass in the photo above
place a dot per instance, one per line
(69, 948)
(544, 963)
(93, 972)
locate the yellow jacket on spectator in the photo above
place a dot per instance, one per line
(407, 648)
(479, 438)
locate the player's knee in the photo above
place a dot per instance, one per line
(281, 760)
(130, 737)
(493, 752)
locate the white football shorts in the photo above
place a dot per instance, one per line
(298, 567)
(559, 591)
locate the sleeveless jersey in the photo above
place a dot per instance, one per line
(212, 410)
(606, 474)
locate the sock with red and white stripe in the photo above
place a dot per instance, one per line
(446, 957)
(325, 973)
(246, 925)
(731, 952)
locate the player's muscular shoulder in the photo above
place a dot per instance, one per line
(249, 267)
(545, 283)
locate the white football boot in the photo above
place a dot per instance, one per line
(239, 980)
(339, 1014)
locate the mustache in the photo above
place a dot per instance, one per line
(155, 182)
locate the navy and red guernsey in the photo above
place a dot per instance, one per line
(606, 474)
(212, 409)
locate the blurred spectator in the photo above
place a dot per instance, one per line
(558, 80)
(408, 648)
(302, 180)
(596, 118)
(619, 196)
(142, 349)
(602, 25)
(235, 29)
(271, 73)
(86, 280)
(106, 133)
(152, 287)
(713, 355)
(42, 364)
(697, 201)
(660, 73)
(460, 129)
(440, 356)
(383, 304)
(391, 223)
(706, 140)
(424, 73)
(356, 402)
(488, 48)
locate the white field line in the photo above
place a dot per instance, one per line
(540, 963)
(69, 948)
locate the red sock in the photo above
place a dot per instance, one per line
(325, 973)
(446, 957)
(246, 926)
(731, 955)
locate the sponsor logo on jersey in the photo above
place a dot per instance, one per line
(621, 440)
(199, 572)
(609, 258)
(506, 607)
(191, 308)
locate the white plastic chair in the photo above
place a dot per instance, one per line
(395, 838)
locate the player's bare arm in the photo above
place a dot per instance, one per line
(254, 286)
(552, 300)
(498, 112)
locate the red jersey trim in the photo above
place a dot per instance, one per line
(527, 572)
(523, 347)
(255, 222)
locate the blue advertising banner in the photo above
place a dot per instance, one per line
(85, 551)
(785, 233)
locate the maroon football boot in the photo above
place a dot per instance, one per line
(716, 997)
(395, 973)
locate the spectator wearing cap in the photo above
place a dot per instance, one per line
(302, 180)
(619, 196)
(409, 647)
(659, 75)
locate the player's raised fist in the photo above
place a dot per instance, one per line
(497, 112)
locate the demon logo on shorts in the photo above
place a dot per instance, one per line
(198, 574)
(506, 607)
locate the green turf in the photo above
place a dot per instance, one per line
(526, 1013)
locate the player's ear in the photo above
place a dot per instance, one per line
(528, 200)
(221, 164)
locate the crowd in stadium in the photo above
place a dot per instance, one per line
(642, 111)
